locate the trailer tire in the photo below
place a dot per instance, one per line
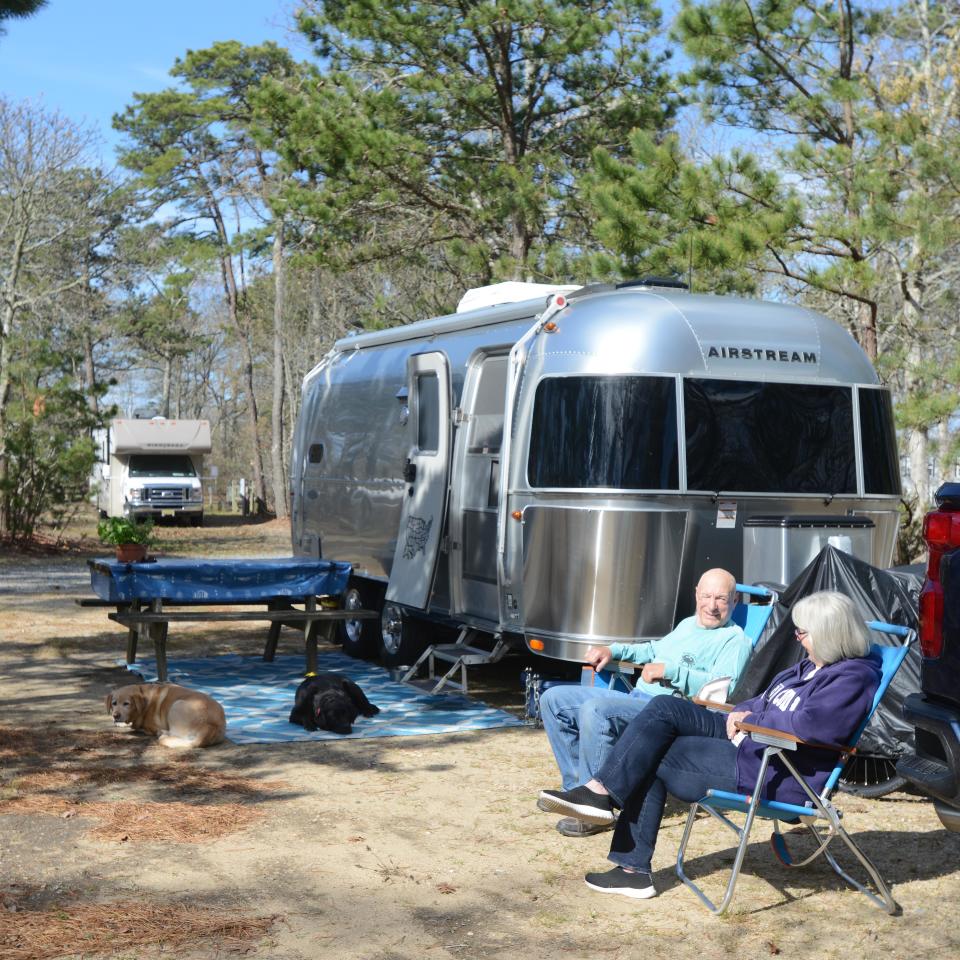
(402, 637)
(870, 777)
(360, 639)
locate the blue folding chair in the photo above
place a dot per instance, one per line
(821, 818)
(751, 618)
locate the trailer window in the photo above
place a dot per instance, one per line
(428, 413)
(161, 465)
(486, 417)
(769, 437)
(878, 438)
(615, 432)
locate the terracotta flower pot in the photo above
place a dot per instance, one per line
(131, 552)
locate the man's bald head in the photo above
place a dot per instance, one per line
(715, 595)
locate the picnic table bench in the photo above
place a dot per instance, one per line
(143, 594)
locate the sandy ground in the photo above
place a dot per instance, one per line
(405, 847)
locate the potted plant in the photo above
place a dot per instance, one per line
(131, 537)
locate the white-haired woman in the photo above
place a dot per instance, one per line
(674, 746)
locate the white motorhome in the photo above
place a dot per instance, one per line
(151, 468)
(555, 466)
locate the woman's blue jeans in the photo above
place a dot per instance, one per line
(674, 747)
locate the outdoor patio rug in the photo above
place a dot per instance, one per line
(257, 698)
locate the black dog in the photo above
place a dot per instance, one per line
(327, 701)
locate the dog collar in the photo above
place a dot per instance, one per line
(306, 676)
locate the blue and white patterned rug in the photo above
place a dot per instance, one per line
(257, 698)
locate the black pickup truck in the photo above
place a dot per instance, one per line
(935, 711)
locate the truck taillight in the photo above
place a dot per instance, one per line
(931, 619)
(941, 531)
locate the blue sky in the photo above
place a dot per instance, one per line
(85, 58)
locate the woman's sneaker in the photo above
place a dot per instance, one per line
(580, 802)
(638, 886)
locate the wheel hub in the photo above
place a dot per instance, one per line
(391, 627)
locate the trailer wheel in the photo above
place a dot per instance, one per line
(870, 776)
(359, 638)
(402, 637)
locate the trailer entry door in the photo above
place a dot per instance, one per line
(426, 474)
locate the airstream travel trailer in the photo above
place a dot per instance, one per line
(555, 466)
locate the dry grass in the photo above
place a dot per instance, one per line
(23, 744)
(31, 932)
(219, 803)
(144, 822)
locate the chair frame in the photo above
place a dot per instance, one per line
(820, 817)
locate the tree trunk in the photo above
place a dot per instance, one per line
(280, 504)
(167, 385)
(90, 374)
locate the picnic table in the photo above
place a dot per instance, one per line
(150, 595)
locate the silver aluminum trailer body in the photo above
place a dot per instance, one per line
(563, 468)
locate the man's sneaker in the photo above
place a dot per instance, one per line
(638, 886)
(580, 802)
(572, 827)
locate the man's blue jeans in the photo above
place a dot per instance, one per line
(674, 747)
(582, 725)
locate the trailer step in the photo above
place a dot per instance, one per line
(459, 655)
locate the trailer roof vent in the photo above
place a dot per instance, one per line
(510, 291)
(654, 282)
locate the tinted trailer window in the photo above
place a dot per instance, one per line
(881, 473)
(769, 437)
(612, 432)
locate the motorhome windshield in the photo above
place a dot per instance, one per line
(615, 432)
(769, 437)
(161, 465)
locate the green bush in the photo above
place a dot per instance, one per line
(49, 458)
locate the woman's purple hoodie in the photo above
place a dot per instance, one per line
(824, 706)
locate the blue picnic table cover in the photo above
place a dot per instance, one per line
(230, 580)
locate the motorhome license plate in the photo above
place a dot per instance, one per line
(168, 513)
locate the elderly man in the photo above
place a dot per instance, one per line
(583, 723)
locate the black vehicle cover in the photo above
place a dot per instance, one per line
(878, 595)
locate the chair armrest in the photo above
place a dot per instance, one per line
(713, 705)
(787, 740)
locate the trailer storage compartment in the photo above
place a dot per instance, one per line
(776, 549)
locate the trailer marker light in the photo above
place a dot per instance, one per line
(535, 644)
(517, 514)
(560, 300)
(550, 326)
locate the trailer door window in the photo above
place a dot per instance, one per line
(613, 432)
(881, 472)
(769, 437)
(428, 413)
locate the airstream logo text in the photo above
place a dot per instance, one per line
(761, 353)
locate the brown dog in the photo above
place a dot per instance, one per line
(178, 716)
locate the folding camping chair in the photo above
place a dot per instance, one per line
(751, 618)
(819, 815)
